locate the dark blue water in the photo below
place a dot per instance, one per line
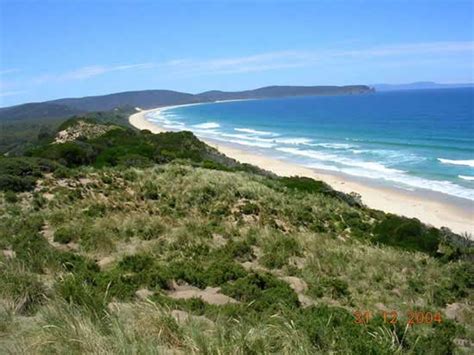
(411, 139)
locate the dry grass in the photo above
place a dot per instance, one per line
(180, 215)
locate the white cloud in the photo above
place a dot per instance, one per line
(88, 72)
(414, 48)
(243, 64)
(95, 70)
(292, 59)
(11, 93)
(9, 71)
(398, 53)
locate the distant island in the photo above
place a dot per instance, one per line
(147, 99)
(419, 85)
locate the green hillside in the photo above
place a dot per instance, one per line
(118, 241)
(148, 99)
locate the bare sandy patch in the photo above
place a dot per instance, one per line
(209, 295)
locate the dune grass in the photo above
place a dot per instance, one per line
(78, 259)
(99, 235)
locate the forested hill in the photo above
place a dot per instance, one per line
(284, 91)
(154, 98)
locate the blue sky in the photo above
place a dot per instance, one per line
(55, 49)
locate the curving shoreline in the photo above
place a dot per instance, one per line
(429, 208)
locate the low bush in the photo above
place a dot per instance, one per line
(96, 210)
(262, 291)
(11, 197)
(330, 287)
(333, 330)
(239, 250)
(458, 286)
(16, 183)
(407, 233)
(221, 271)
(66, 235)
(278, 249)
(305, 184)
(70, 154)
(249, 208)
(440, 340)
(136, 263)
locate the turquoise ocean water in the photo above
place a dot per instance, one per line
(421, 139)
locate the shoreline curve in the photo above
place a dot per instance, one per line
(438, 212)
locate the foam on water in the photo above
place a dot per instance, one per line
(406, 181)
(207, 125)
(468, 178)
(256, 132)
(250, 143)
(457, 162)
(334, 145)
(373, 166)
(294, 141)
(374, 170)
(246, 137)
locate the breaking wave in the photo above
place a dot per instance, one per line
(457, 162)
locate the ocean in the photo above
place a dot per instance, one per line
(421, 139)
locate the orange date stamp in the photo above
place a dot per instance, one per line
(393, 317)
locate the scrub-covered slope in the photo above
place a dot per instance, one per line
(177, 248)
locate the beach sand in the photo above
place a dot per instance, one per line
(435, 211)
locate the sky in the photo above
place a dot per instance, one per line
(67, 48)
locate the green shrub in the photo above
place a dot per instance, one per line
(221, 271)
(239, 250)
(332, 287)
(96, 210)
(249, 208)
(77, 264)
(11, 197)
(116, 284)
(136, 263)
(70, 154)
(159, 277)
(278, 250)
(262, 292)
(209, 164)
(333, 330)
(66, 235)
(407, 233)
(305, 184)
(16, 183)
(62, 173)
(135, 160)
(459, 285)
(440, 340)
(189, 271)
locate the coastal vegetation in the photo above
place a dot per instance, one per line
(119, 241)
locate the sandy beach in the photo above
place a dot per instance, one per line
(430, 209)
